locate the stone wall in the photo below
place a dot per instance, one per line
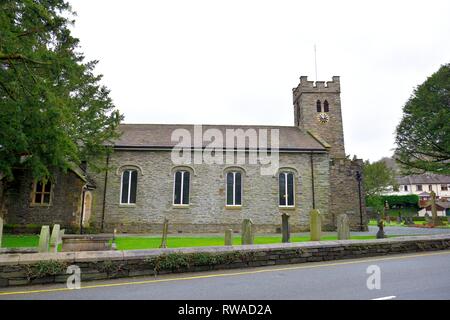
(207, 211)
(344, 197)
(17, 269)
(65, 201)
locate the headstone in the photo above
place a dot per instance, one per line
(380, 233)
(113, 243)
(285, 230)
(247, 232)
(399, 219)
(164, 235)
(436, 220)
(1, 231)
(343, 228)
(228, 237)
(44, 239)
(315, 225)
(54, 238)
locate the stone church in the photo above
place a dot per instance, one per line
(143, 185)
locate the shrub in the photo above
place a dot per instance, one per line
(177, 261)
(44, 269)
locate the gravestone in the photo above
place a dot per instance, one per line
(164, 235)
(285, 230)
(315, 225)
(1, 231)
(343, 228)
(436, 220)
(399, 219)
(54, 238)
(228, 237)
(44, 239)
(247, 232)
(380, 233)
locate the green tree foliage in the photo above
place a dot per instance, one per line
(423, 135)
(377, 178)
(53, 110)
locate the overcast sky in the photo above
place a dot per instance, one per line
(236, 62)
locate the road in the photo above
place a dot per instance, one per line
(411, 276)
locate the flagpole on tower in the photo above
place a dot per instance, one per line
(315, 59)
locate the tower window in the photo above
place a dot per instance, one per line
(319, 106)
(326, 107)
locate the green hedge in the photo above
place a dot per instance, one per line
(407, 201)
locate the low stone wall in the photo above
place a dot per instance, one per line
(38, 268)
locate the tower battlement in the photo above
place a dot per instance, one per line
(306, 86)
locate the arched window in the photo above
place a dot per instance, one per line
(319, 106)
(128, 187)
(234, 188)
(286, 187)
(181, 187)
(326, 107)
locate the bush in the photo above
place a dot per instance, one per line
(44, 269)
(178, 261)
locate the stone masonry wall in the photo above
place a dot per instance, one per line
(65, 201)
(207, 211)
(17, 269)
(344, 192)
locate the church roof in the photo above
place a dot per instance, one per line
(160, 136)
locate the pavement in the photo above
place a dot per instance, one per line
(408, 276)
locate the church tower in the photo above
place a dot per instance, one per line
(317, 109)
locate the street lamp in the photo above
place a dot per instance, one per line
(359, 179)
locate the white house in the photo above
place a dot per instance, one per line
(423, 184)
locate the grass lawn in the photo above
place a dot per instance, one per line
(134, 243)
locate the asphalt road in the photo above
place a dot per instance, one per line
(413, 276)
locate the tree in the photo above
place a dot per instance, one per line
(377, 178)
(54, 113)
(423, 135)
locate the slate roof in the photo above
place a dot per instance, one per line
(426, 178)
(159, 136)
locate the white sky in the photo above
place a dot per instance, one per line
(236, 62)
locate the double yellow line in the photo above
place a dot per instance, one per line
(231, 274)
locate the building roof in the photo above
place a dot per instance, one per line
(160, 136)
(426, 178)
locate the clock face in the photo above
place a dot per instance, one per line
(323, 117)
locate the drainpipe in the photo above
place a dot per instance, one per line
(359, 178)
(312, 182)
(82, 209)
(104, 193)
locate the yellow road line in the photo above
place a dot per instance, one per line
(226, 274)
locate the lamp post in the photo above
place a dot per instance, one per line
(359, 179)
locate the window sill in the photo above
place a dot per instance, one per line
(233, 207)
(287, 208)
(180, 206)
(127, 205)
(38, 205)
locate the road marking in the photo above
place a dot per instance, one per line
(385, 298)
(224, 274)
